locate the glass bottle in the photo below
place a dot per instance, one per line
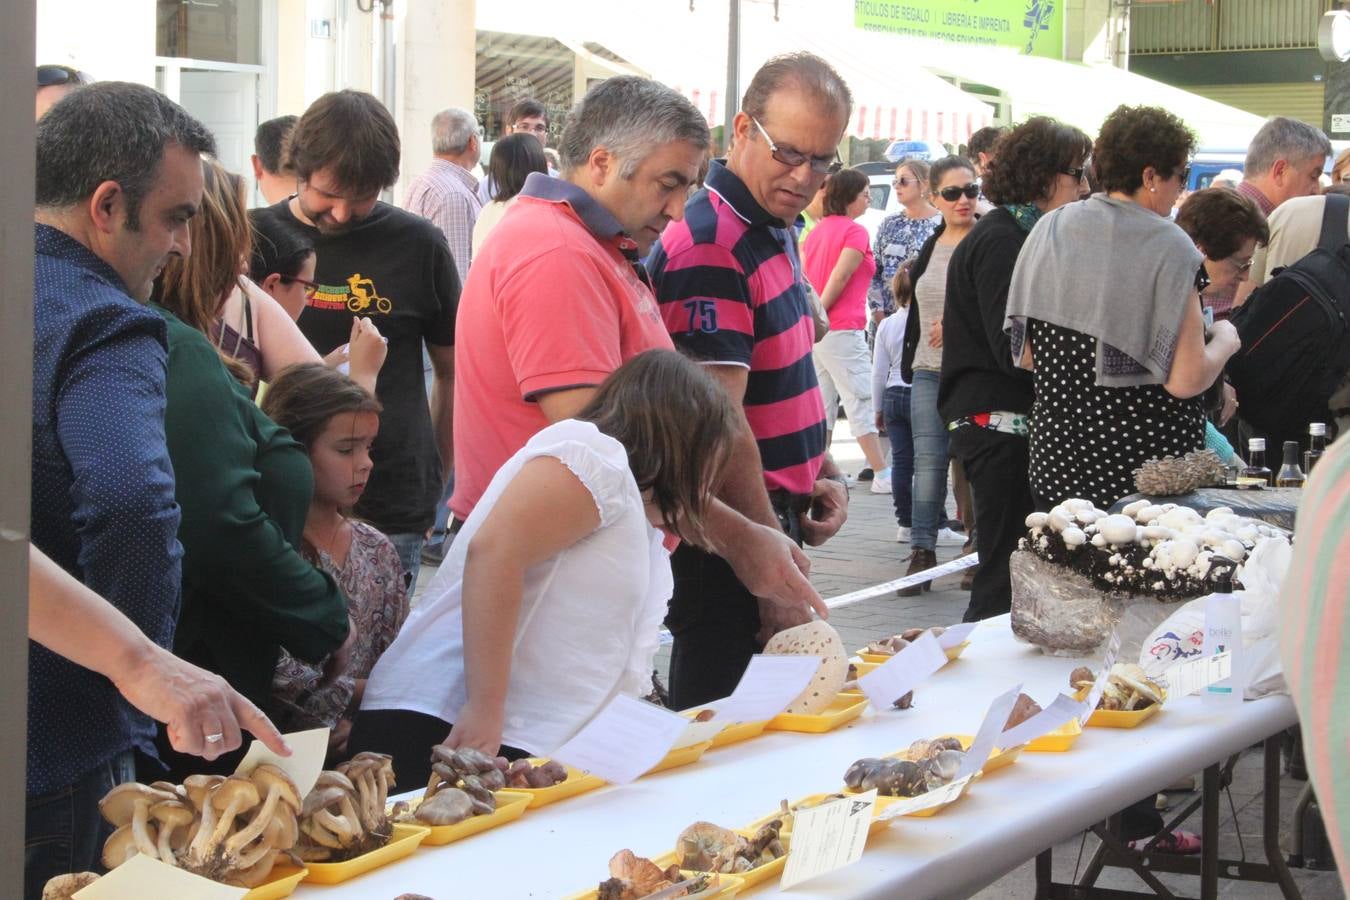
(1255, 475)
(1317, 445)
(1290, 475)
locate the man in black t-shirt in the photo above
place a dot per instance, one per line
(377, 260)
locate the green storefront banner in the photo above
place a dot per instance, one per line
(1033, 27)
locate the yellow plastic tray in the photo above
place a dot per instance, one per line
(951, 652)
(577, 782)
(755, 876)
(1119, 718)
(999, 759)
(510, 806)
(1057, 741)
(873, 828)
(845, 708)
(727, 886)
(282, 882)
(681, 757)
(404, 841)
(733, 734)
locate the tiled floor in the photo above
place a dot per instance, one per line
(865, 553)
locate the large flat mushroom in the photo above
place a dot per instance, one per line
(130, 804)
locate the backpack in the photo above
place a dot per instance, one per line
(1296, 337)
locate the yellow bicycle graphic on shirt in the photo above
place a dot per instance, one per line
(363, 295)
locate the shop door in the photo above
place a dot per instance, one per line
(227, 103)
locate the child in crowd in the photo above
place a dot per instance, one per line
(336, 421)
(893, 412)
(550, 601)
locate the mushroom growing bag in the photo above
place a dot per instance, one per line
(1182, 635)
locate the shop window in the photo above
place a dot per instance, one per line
(218, 30)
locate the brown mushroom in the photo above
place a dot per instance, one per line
(172, 818)
(130, 804)
(237, 794)
(119, 847)
(280, 789)
(447, 807)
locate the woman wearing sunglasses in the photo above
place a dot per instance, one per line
(901, 235)
(985, 399)
(954, 190)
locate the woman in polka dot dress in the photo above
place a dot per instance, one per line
(1103, 308)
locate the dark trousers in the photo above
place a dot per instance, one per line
(997, 465)
(895, 414)
(714, 619)
(63, 830)
(408, 737)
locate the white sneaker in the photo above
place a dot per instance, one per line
(881, 482)
(947, 538)
(902, 535)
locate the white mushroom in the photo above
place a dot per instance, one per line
(1116, 529)
(1058, 519)
(1132, 509)
(1073, 537)
(1098, 540)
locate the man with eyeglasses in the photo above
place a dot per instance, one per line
(54, 82)
(527, 116)
(732, 294)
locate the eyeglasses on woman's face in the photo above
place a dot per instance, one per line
(311, 287)
(1077, 173)
(821, 165)
(904, 181)
(952, 193)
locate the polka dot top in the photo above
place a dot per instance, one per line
(1086, 440)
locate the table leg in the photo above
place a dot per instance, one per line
(1044, 878)
(1270, 820)
(1209, 835)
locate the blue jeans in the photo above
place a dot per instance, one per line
(895, 413)
(63, 830)
(409, 548)
(930, 461)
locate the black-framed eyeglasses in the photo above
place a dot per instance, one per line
(794, 158)
(50, 76)
(311, 287)
(1077, 173)
(953, 193)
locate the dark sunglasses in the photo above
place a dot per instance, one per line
(50, 76)
(1077, 174)
(953, 193)
(794, 158)
(310, 286)
(1185, 174)
(902, 181)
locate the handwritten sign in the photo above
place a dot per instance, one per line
(903, 672)
(624, 740)
(1064, 709)
(948, 793)
(769, 684)
(828, 837)
(1193, 675)
(1094, 695)
(990, 730)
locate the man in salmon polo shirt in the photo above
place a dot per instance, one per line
(557, 299)
(730, 283)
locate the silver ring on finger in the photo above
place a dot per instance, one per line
(215, 738)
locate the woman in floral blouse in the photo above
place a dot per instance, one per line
(901, 235)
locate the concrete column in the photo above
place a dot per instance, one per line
(16, 411)
(435, 54)
(111, 41)
(1095, 32)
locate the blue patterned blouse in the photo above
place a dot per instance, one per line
(899, 238)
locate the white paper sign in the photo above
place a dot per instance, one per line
(948, 793)
(624, 740)
(769, 684)
(828, 837)
(1223, 633)
(990, 729)
(1094, 695)
(145, 876)
(1187, 677)
(955, 635)
(698, 732)
(903, 672)
(1062, 710)
(308, 749)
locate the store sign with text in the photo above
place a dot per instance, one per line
(1033, 27)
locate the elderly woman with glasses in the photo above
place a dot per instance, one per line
(1103, 308)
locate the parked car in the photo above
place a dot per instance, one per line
(881, 201)
(927, 151)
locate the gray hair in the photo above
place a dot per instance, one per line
(111, 131)
(804, 71)
(451, 131)
(630, 117)
(1284, 138)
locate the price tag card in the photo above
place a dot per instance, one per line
(1062, 710)
(623, 741)
(955, 635)
(1094, 696)
(1187, 677)
(990, 729)
(308, 749)
(948, 793)
(828, 837)
(145, 876)
(903, 672)
(769, 684)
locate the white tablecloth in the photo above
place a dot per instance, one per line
(1004, 820)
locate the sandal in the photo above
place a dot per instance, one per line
(1180, 842)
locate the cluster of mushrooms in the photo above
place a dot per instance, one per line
(230, 830)
(1127, 687)
(632, 877)
(705, 847)
(925, 766)
(1146, 548)
(463, 782)
(344, 816)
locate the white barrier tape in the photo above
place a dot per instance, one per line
(960, 564)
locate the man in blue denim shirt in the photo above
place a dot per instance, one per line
(119, 175)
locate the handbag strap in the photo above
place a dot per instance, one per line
(1335, 216)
